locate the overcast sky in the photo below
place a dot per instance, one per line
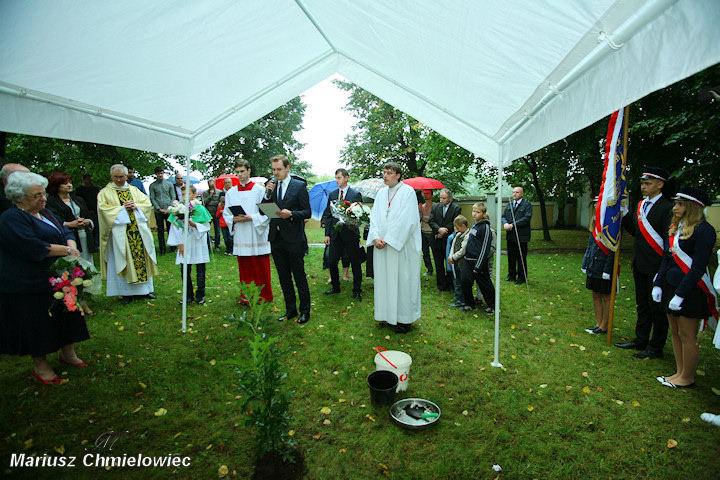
(325, 126)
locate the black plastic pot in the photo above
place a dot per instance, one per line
(382, 387)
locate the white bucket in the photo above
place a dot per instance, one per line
(396, 362)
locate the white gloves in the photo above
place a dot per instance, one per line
(606, 276)
(675, 303)
(657, 294)
(584, 270)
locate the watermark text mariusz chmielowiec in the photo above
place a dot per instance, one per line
(99, 456)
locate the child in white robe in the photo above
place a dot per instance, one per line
(196, 248)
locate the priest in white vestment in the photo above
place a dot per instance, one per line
(127, 248)
(249, 230)
(395, 234)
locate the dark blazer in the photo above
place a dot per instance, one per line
(699, 247)
(64, 214)
(437, 220)
(645, 259)
(521, 216)
(348, 231)
(24, 260)
(291, 230)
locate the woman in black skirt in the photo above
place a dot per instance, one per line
(676, 286)
(598, 267)
(31, 323)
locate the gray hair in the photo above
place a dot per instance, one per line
(119, 166)
(447, 192)
(20, 182)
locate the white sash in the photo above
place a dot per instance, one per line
(647, 230)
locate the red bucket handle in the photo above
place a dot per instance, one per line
(377, 349)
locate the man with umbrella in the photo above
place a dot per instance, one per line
(343, 238)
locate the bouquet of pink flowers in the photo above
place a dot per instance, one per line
(355, 214)
(71, 278)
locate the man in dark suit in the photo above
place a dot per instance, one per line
(287, 237)
(346, 239)
(653, 213)
(516, 222)
(441, 220)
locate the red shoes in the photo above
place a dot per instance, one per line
(54, 381)
(76, 365)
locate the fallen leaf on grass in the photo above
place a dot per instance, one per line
(142, 384)
(137, 409)
(635, 403)
(700, 372)
(60, 449)
(586, 389)
(619, 402)
(160, 412)
(341, 400)
(209, 447)
(686, 419)
(343, 450)
(326, 422)
(568, 387)
(222, 471)
(177, 435)
(465, 412)
(544, 385)
(370, 417)
(383, 466)
(325, 410)
(530, 408)
(716, 391)
(317, 436)
(213, 361)
(672, 443)
(291, 433)
(585, 374)
(552, 340)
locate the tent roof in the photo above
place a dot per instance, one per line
(501, 79)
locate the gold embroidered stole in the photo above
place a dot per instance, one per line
(135, 243)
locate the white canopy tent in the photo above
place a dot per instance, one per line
(501, 78)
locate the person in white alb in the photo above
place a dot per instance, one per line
(395, 235)
(249, 231)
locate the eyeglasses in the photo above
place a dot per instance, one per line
(37, 195)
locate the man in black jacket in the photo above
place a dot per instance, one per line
(649, 222)
(442, 216)
(346, 238)
(287, 236)
(516, 222)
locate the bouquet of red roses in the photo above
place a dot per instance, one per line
(71, 278)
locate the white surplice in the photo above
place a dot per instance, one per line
(394, 219)
(250, 239)
(196, 247)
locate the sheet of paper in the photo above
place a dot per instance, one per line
(269, 209)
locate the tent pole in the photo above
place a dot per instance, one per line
(498, 238)
(613, 287)
(185, 236)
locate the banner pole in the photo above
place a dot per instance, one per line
(614, 286)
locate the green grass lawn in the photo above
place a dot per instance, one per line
(564, 404)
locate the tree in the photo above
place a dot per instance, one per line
(384, 133)
(256, 143)
(77, 158)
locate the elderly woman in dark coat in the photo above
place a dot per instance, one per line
(30, 322)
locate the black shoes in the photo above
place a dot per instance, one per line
(357, 297)
(303, 318)
(519, 282)
(288, 316)
(125, 300)
(596, 331)
(631, 345)
(402, 328)
(200, 300)
(509, 279)
(647, 353)
(331, 291)
(189, 301)
(150, 296)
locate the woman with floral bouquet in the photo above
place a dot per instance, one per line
(196, 248)
(32, 322)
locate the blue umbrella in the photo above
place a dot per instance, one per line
(319, 194)
(192, 179)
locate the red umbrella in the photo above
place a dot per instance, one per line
(422, 183)
(220, 181)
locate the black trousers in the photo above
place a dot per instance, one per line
(482, 277)
(161, 221)
(289, 261)
(517, 260)
(336, 250)
(426, 237)
(200, 274)
(650, 315)
(443, 277)
(216, 231)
